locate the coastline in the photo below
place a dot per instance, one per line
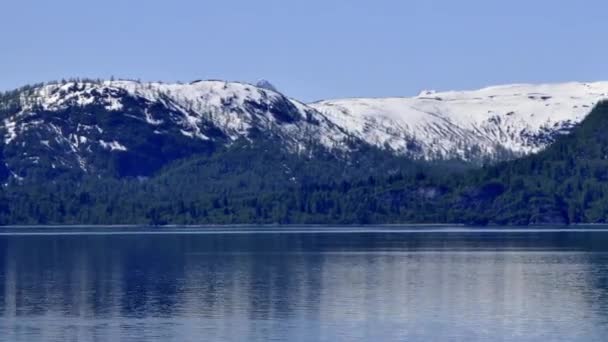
(81, 230)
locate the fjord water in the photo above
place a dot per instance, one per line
(385, 284)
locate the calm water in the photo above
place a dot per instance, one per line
(384, 285)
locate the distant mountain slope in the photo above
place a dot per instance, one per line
(493, 122)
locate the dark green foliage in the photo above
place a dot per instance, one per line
(567, 183)
(246, 183)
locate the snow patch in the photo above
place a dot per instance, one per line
(11, 133)
(112, 145)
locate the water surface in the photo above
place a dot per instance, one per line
(306, 284)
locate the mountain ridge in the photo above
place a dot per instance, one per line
(133, 128)
(518, 118)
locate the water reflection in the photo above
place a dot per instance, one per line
(305, 287)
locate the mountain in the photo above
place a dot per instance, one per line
(134, 129)
(260, 182)
(492, 123)
(127, 128)
(255, 178)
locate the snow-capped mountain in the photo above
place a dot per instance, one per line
(142, 126)
(233, 108)
(129, 128)
(488, 123)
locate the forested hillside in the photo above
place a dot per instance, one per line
(566, 183)
(259, 183)
(68, 164)
(262, 183)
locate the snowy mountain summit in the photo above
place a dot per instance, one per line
(134, 128)
(489, 123)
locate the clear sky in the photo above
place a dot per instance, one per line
(310, 49)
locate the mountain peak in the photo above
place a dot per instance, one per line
(265, 84)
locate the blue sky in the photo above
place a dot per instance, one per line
(311, 49)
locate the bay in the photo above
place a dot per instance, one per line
(303, 284)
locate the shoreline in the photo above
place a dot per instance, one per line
(292, 226)
(80, 230)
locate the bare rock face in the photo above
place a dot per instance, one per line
(264, 84)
